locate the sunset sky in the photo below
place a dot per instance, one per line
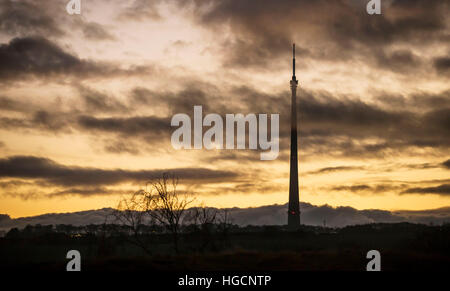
(86, 101)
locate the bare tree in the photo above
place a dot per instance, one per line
(202, 215)
(203, 220)
(161, 205)
(167, 206)
(133, 213)
(224, 224)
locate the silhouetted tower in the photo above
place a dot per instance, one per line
(294, 207)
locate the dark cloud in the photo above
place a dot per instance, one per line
(446, 164)
(184, 100)
(258, 35)
(27, 17)
(38, 57)
(336, 125)
(442, 65)
(369, 189)
(9, 104)
(96, 102)
(42, 120)
(248, 184)
(322, 114)
(29, 167)
(27, 189)
(119, 147)
(414, 102)
(49, 121)
(243, 156)
(88, 191)
(127, 126)
(400, 60)
(11, 184)
(327, 170)
(443, 190)
(422, 166)
(424, 19)
(95, 31)
(353, 188)
(322, 107)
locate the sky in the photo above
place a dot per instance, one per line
(86, 101)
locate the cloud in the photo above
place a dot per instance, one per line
(45, 121)
(375, 189)
(34, 55)
(257, 36)
(27, 17)
(95, 31)
(327, 170)
(423, 166)
(96, 101)
(140, 10)
(400, 60)
(88, 191)
(119, 146)
(442, 65)
(353, 188)
(39, 57)
(10, 104)
(127, 126)
(443, 190)
(30, 167)
(446, 164)
(338, 125)
(415, 102)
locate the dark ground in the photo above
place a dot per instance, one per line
(403, 247)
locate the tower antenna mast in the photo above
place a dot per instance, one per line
(294, 202)
(293, 61)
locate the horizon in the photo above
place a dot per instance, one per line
(242, 208)
(236, 207)
(313, 215)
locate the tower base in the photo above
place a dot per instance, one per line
(293, 221)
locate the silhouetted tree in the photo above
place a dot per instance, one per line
(13, 233)
(161, 204)
(167, 206)
(203, 220)
(133, 213)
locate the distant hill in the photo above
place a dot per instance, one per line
(264, 215)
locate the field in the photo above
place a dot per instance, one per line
(402, 246)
